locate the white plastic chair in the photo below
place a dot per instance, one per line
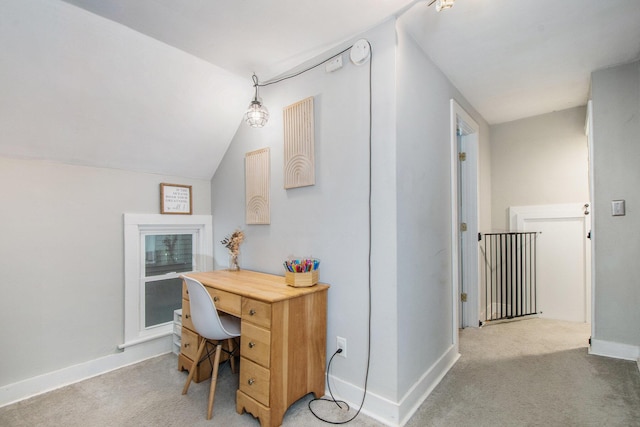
(211, 327)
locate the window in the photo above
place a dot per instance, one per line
(158, 249)
(166, 256)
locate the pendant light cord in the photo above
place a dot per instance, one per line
(369, 231)
(255, 85)
(369, 262)
(280, 79)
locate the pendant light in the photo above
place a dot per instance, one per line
(442, 4)
(257, 114)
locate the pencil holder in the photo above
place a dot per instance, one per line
(301, 272)
(302, 280)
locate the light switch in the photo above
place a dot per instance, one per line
(617, 207)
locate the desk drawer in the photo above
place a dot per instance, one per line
(189, 341)
(226, 301)
(254, 381)
(256, 312)
(186, 315)
(255, 344)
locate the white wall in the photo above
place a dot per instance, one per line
(330, 219)
(61, 251)
(540, 160)
(78, 88)
(426, 324)
(616, 152)
(411, 275)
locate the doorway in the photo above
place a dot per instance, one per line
(465, 219)
(563, 258)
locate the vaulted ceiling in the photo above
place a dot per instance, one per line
(160, 85)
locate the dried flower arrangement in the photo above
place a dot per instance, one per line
(232, 243)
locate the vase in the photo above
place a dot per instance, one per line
(234, 264)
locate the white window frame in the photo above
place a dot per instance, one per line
(136, 227)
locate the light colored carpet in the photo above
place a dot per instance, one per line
(533, 372)
(527, 373)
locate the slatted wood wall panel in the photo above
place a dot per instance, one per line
(257, 181)
(299, 159)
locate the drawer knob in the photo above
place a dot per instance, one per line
(252, 312)
(187, 316)
(216, 299)
(251, 381)
(252, 344)
(186, 345)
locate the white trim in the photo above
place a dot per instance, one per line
(30, 387)
(614, 349)
(455, 264)
(134, 225)
(519, 214)
(387, 411)
(411, 401)
(592, 201)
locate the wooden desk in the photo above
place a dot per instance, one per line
(283, 341)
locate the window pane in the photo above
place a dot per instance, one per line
(168, 253)
(161, 298)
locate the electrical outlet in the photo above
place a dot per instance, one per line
(341, 343)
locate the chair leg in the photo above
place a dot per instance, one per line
(194, 366)
(214, 379)
(232, 345)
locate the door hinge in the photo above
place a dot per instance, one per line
(462, 156)
(463, 297)
(463, 226)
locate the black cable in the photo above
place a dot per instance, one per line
(333, 399)
(366, 379)
(270, 82)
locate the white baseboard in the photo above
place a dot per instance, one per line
(412, 400)
(386, 411)
(614, 349)
(30, 387)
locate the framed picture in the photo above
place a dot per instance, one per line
(175, 199)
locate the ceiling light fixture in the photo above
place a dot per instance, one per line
(442, 4)
(257, 114)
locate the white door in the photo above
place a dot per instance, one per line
(563, 261)
(464, 198)
(462, 219)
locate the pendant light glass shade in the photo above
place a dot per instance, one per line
(257, 114)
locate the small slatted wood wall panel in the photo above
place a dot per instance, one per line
(257, 181)
(299, 163)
